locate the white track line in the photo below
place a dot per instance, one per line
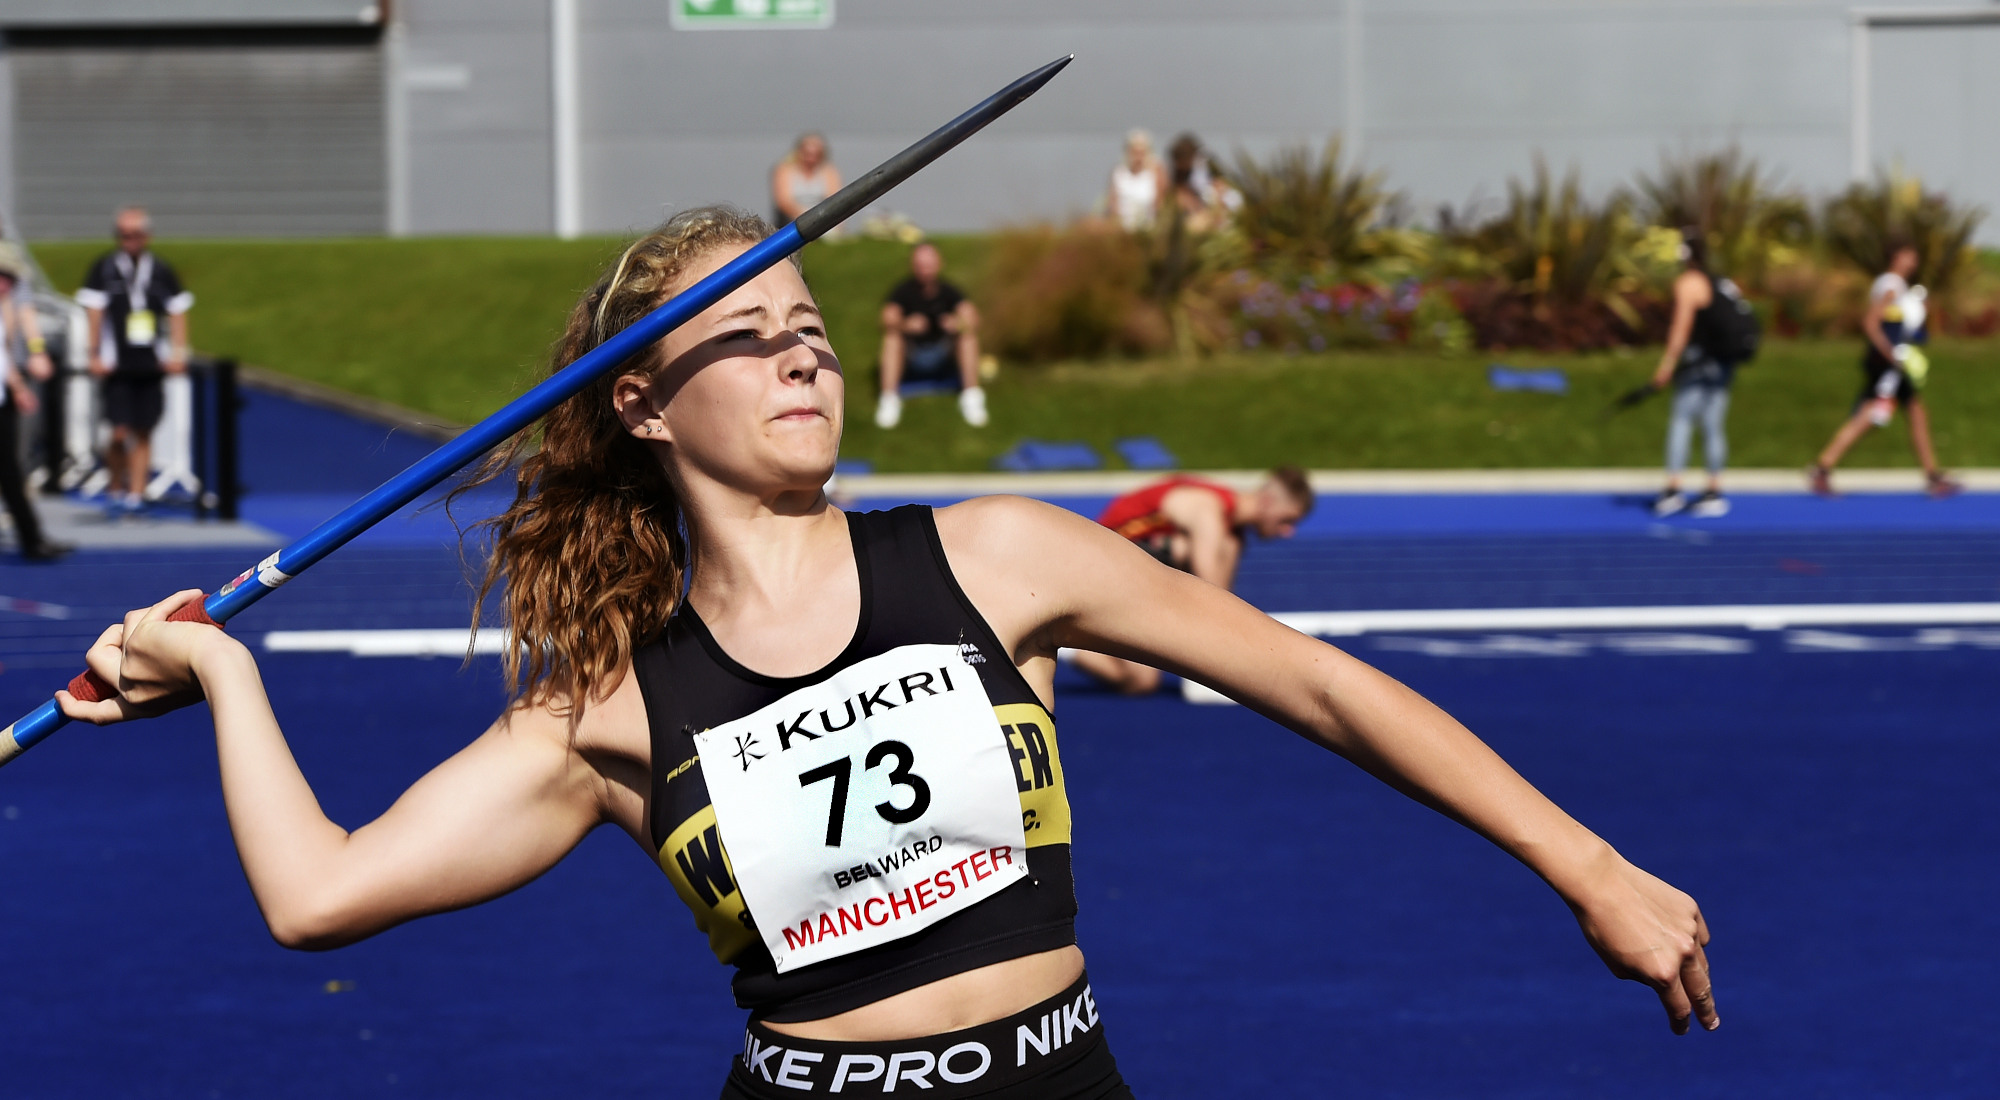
(451, 642)
(1333, 624)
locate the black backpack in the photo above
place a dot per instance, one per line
(1727, 328)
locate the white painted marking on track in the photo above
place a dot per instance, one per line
(41, 609)
(1839, 641)
(385, 643)
(1335, 624)
(1632, 636)
(1492, 645)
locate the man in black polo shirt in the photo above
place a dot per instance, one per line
(139, 313)
(930, 333)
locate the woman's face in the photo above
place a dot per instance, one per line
(751, 395)
(811, 151)
(1136, 153)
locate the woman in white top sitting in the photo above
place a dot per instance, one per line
(1136, 185)
(804, 177)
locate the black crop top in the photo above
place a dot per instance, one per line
(908, 597)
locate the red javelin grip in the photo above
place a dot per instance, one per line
(89, 687)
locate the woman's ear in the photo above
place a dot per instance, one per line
(632, 396)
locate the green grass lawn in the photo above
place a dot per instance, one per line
(455, 327)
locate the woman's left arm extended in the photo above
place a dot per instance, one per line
(1086, 587)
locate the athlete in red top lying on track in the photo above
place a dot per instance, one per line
(1197, 526)
(910, 933)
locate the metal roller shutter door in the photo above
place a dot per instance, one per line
(218, 135)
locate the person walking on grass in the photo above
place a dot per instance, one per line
(1700, 366)
(1895, 326)
(139, 334)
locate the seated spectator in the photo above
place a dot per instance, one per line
(803, 178)
(930, 336)
(1198, 527)
(1136, 185)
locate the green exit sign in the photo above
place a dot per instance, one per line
(736, 14)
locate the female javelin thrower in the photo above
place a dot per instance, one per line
(856, 705)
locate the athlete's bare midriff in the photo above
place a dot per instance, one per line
(949, 1004)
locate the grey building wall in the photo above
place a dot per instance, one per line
(1449, 97)
(1934, 109)
(679, 117)
(177, 13)
(266, 132)
(475, 86)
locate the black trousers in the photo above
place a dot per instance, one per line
(27, 526)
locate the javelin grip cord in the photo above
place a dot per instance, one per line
(265, 577)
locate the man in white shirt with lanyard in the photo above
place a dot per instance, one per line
(128, 294)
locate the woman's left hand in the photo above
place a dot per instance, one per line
(1647, 931)
(149, 660)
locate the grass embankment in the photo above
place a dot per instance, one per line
(456, 327)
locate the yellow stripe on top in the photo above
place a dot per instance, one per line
(695, 863)
(1038, 774)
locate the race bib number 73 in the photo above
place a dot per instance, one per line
(867, 807)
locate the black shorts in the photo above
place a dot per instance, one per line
(1052, 1051)
(932, 361)
(1161, 547)
(133, 401)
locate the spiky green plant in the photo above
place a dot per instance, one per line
(1865, 223)
(1313, 215)
(1554, 245)
(1748, 221)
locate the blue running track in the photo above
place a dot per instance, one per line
(1259, 916)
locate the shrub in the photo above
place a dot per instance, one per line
(1809, 298)
(1556, 270)
(1748, 224)
(1864, 223)
(1310, 217)
(1072, 294)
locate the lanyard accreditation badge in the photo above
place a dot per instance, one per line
(867, 807)
(141, 328)
(142, 325)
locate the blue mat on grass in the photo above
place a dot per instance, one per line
(1144, 452)
(1035, 455)
(1530, 379)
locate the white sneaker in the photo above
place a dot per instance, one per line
(888, 411)
(1710, 505)
(1669, 502)
(972, 406)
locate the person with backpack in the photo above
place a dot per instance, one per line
(1712, 333)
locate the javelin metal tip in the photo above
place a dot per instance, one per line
(848, 201)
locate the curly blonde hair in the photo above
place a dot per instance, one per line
(593, 549)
